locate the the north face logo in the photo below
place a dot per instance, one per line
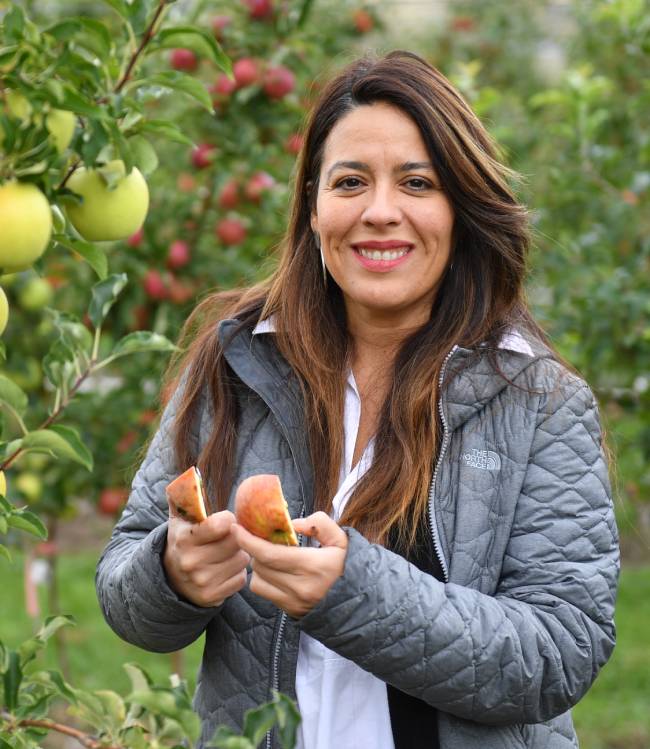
(485, 459)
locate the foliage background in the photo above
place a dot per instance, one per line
(564, 87)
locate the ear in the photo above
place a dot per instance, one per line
(313, 221)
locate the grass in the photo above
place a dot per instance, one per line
(614, 715)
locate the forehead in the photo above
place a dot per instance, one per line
(377, 130)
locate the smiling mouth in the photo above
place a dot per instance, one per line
(393, 254)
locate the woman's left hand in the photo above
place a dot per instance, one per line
(296, 578)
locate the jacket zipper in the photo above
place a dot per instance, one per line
(437, 546)
(275, 676)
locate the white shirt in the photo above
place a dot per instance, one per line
(341, 705)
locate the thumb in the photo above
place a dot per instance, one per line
(320, 526)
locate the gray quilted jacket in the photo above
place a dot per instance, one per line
(522, 521)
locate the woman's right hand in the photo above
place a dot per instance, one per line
(203, 562)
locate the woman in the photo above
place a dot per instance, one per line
(456, 579)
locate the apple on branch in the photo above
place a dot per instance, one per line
(25, 225)
(114, 204)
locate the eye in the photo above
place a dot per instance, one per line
(419, 183)
(348, 180)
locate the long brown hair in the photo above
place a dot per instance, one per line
(479, 297)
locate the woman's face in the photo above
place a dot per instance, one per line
(384, 222)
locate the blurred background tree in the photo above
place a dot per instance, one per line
(562, 86)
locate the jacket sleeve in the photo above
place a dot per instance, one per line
(532, 650)
(134, 594)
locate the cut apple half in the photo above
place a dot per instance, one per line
(262, 509)
(185, 496)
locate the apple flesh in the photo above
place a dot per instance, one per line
(108, 213)
(262, 509)
(185, 496)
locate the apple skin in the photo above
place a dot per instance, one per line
(135, 240)
(35, 294)
(203, 155)
(155, 286)
(294, 143)
(259, 10)
(278, 82)
(229, 195)
(61, 126)
(262, 509)
(179, 255)
(184, 59)
(231, 231)
(246, 72)
(111, 500)
(4, 311)
(3, 484)
(107, 215)
(258, 184)
(30, 485)
(25, 225)
(218, 24)
(363, 21)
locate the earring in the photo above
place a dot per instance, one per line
(322, 257)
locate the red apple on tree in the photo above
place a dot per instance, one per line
(293, 143)
(246, 72)
(179, 291)
(178, 255)
(259, 9)
(111, 500)
(229, 195)
(203, 155)
(278, 82)
(135, 240)
(218, 24)
(155, 286)
(185, 182)
(231, 231)
(363, 21)
(222, 88)
(258, 184)
(184, 59)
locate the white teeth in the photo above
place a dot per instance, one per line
(385, 255)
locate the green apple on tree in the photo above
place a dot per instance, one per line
(59, 122)
(4, 311)
(114, 205)
(25, 225)
(35, 294)
(3, 484)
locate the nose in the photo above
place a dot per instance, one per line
(382, 207)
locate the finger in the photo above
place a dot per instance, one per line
(214, 528)
(265, 589)
(277, 556)
(322, 527)
(208, 574)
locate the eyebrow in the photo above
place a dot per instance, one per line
(407, 166)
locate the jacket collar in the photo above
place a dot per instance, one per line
(470, 380)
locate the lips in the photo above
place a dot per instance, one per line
(389, 244)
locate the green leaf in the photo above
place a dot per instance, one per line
(75, 334)
(142, 340)
(73, 101)
(62, 442)
(197, 39)
(167, 130)
(4, 552)
(113, 705)
(93, 255)
(258, 721)
(3, 525)
(139, 678)
(59, 364)
(288, 720)
(28, 649)
(159, 701)
(10, 393)
(181, 82)
(14, 24)
(144, 155)
(85, 32)
(226, 738)
(29, 522)
(105, 294)
(120, 6)
(12, 678)
(56, 682)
